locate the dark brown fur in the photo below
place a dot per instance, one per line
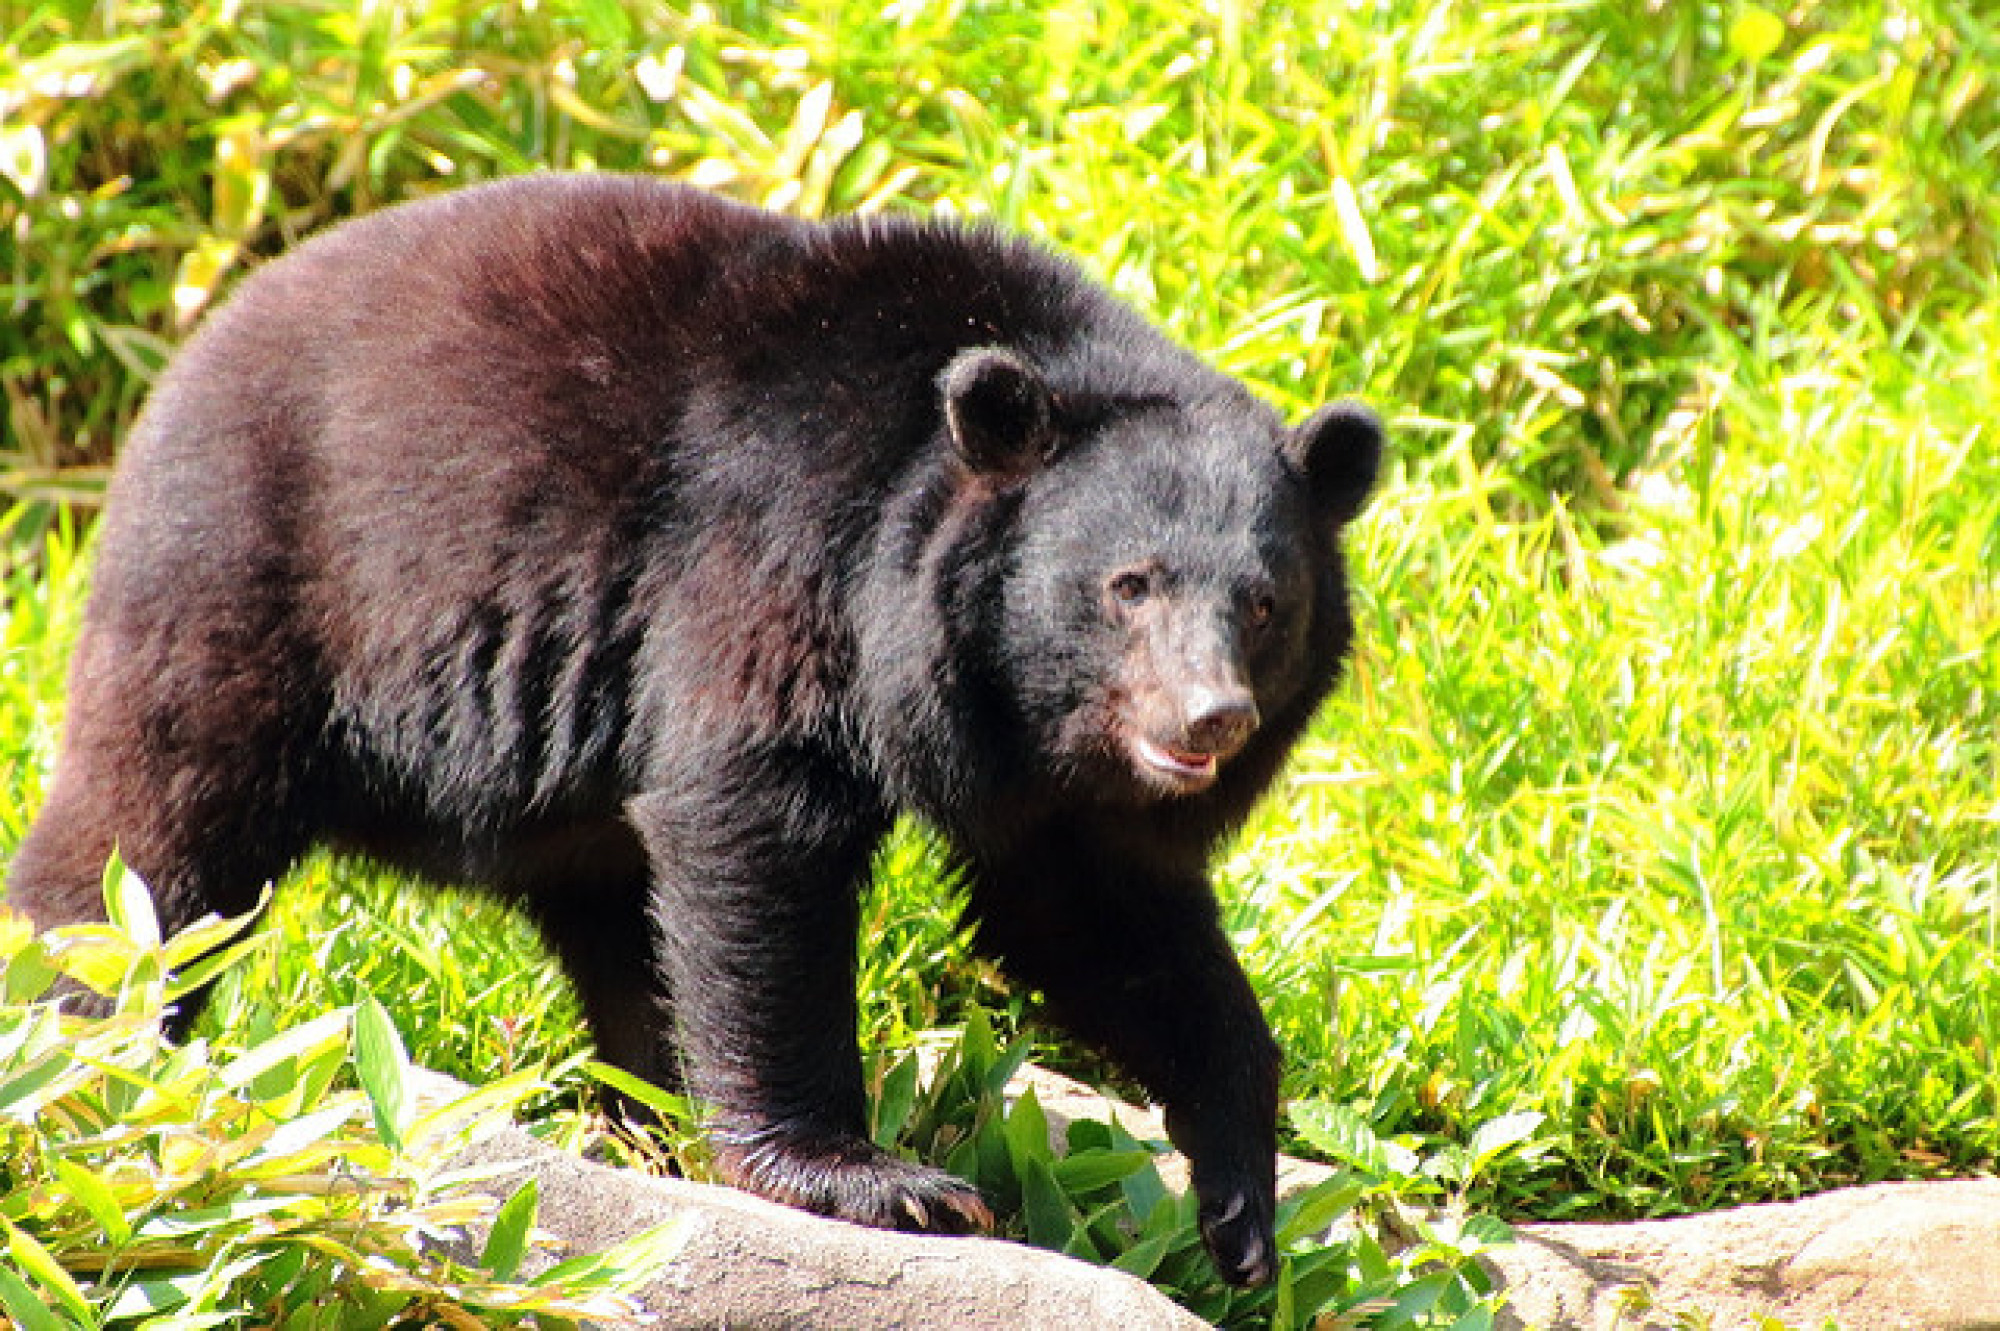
(639, 557)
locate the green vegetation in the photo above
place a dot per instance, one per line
(295, 1177)
(298, 1176)
(1664, 799)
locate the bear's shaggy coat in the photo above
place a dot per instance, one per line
(639, 556)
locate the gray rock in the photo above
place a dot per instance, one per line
(1880, 1258)
(748, 1263)
(1889, 1257)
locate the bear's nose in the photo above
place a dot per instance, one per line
(1220, 720)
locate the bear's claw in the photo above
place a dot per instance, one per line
(857, 1181)
(1241, 1244)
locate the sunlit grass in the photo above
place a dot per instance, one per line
(1662, 796)
(1684, 834)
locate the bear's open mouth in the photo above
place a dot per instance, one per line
(1184, 771)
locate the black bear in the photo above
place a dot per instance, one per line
(639, 556)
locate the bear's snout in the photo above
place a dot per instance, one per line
(1220, 718)
(1196, 733)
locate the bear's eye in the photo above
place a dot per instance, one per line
(1131, 587)
(1262, 607)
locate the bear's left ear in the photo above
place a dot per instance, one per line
(1338, 449)
(998, 409)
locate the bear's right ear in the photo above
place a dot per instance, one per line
(998, 410)
(1338, 449)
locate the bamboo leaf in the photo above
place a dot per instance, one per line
(1313, 1211)
(315, 1037)
(897, 1099)
(494, 1098)
(1497, 1136)
(28, 1310)
(37, 1262)
(29, 973)
(662, 1102)
(1339, 1131)
(97, 1199)
(209, 933)
(1044, 1209)
(1027, 1131)
(384, 1069)
(128, 904)
(23, 1094)
(1143, 1258)
(507, 1242)
(1087, 1171)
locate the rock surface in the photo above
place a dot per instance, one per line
(1890, 1257)
(748, 1263)
(1880, 1258)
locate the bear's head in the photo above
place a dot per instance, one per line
(1174, 604)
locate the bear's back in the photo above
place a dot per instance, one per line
(558, 351)
(505, 481)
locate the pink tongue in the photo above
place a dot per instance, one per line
(1191, 764)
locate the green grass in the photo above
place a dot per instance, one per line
(1685, 836)
(291, 1177)
(1663, 799)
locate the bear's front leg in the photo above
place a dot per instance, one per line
(758, 872)
(1133, 961)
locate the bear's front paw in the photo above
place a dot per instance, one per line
(1240, 1239)
(852, 1179)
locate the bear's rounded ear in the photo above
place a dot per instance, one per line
(998, 410)
(1338, 449)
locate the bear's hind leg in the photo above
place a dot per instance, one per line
(199, 802)
(605, 938)
(57, 875)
